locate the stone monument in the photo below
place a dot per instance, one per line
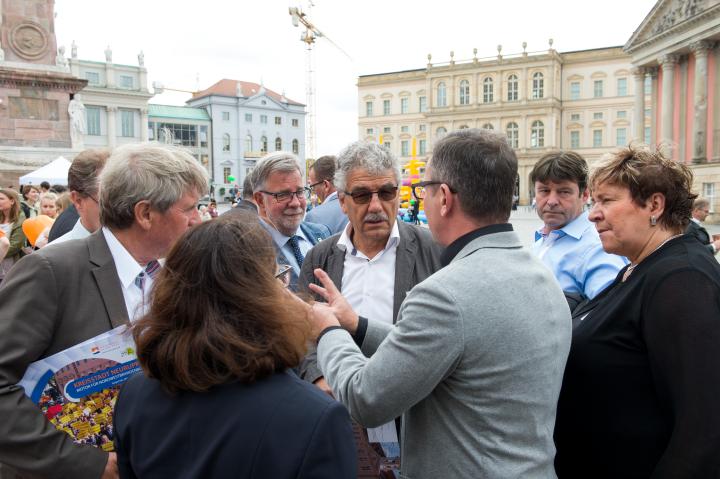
(36, 88)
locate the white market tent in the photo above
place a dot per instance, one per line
(54, 173)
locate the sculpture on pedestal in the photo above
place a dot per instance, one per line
(76, 110)
(141, 59)
(108, 54)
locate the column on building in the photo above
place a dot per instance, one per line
(144, 124)
(639, 120)
(653, 72)
(111, 126)
(699, 140)
(668, 64)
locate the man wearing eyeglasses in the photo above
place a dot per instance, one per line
(329, 213)
(700, 211)
(281, 197)
(475, 361)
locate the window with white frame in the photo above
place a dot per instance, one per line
(512, 132)
(708, 191)
(295, 122)
(440, 132)
(93, 78)
(487, 126)
(386, 107)
(488, 90)
(575, 117)
(278, 120)
(538, 85)
(598, 88)
(368, 108)
(441, 94)
(597, 138)
(227, 173)
(574, 139)
(597, 115)
(226, 142)
(386, 129)
(646, 135)
(404, 129)
(404, 102)
(575, 90)
(647, 85)
(263, 144)
(537, 134)
(263, 119)
(422, 147)
(464, 92)
(621, 137)
(295, 146)
(622, 87)
(92, 117)
(278, 144)
(621, 114)
(512, 88)
(647, 113)
(421, 128)
(404, 148)
(226, 116)
(387, 145)
(369, 131)
(422, 104)
(127, 123)
(248, 143)
(248, 117)
(126, 81)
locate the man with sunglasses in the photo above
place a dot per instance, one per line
(281, 197)
(475, 361)
(320, 177)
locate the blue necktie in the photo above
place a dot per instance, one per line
(293, 242)
(151, 269)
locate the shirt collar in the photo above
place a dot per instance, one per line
(279, 238)
(125, 265)
(575, 228)
(330, 197)
(456, 246)
(345, 243)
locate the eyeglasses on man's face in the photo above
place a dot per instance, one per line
(286, 196)
(283, 274)
(418, 189)
(362, 196)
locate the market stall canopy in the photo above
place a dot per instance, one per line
(54, 173)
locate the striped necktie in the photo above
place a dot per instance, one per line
(295, 246)
(151, 269)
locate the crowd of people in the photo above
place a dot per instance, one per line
(264, 333)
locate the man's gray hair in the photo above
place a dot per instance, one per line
(282, 161)
(701, 203)
(374, 158)
(158, 173)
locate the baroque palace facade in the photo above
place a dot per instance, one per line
(590, 101)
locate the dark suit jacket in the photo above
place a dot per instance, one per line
(51, 300)
(418, 257)
(243, 206)
(279, 427)
(697, 231)
(64, 223)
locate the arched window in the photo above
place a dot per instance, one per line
(464, 92)
(512, 88)
(296, 146)
(248, 143)
(440, 132)
(488, 90)
(441, 94)
(488, 126)
(263, 144)
(537, 134)
(278, 144)
(512, 134)
(538, 85)
(226, 142)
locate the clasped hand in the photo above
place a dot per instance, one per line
(336, 311)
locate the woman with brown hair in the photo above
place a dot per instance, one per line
(218, 398)
(640, 393)
(11, 219)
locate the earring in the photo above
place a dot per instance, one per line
(653, 221)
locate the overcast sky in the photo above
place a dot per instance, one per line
(190, 45)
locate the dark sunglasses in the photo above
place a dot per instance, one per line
(363, 196)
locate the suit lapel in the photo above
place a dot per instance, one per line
(404, 268)
(108, 283)
(336, 265)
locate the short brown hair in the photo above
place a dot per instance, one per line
(559, 166)
(84, 172)
(645, 171)
(324, 168)
(218, 313)
(27, 189)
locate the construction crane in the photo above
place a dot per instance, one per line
(308, 37)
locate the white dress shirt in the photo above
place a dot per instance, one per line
(127, 270)
(369, 284)
(281, 241)
(78, 232)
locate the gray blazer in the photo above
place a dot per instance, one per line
(474, 364)
(329, 214)
(51, 300)
(418, 256)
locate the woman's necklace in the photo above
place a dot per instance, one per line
(632, 267)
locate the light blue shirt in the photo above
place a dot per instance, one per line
(576, 258)
(281, 240)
